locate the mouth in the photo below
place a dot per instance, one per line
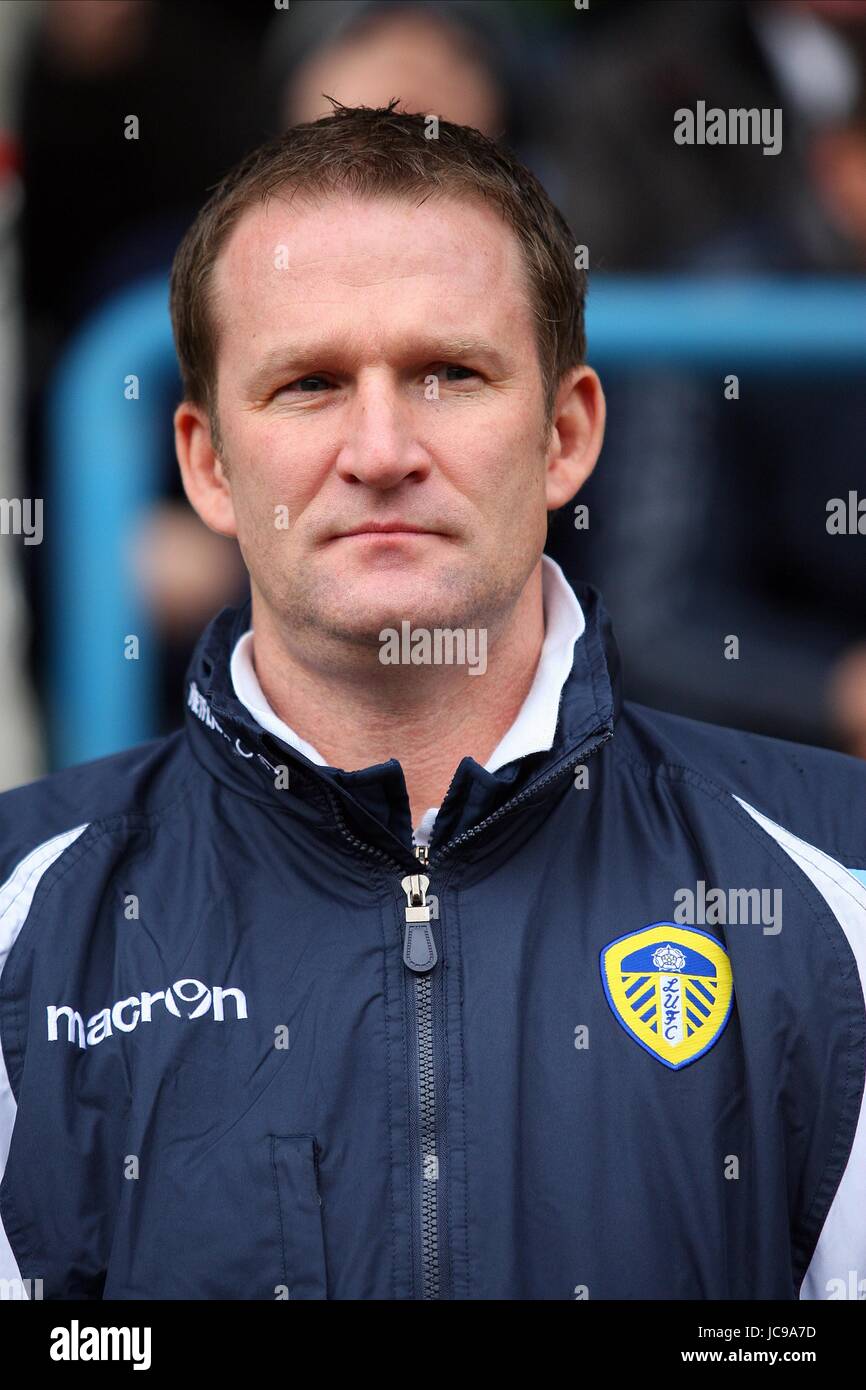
(394, 530)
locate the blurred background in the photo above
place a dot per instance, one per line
(707, 515)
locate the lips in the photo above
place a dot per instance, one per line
(384, 528)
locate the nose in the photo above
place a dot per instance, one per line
(380, 445)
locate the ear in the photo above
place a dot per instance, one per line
(204, 479)
(576, 437)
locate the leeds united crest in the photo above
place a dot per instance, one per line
(671, 989)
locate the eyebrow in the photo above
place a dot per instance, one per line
(293, 359)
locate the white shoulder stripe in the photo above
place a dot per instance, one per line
(16, 899)
(17, 893)
(839, 1263)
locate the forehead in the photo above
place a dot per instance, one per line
(361, 266)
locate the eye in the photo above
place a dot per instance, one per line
(455, 367)
(302, 384)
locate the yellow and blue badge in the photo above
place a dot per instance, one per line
(671, 988)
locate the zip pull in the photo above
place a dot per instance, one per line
(419, 948)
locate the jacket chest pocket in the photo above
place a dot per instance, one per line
(295, 1166)
(225, 1207)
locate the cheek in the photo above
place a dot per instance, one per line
(516, 480)
(515, 499)
(273, 484)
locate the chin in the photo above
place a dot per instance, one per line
(356, 603)
(394, 593)
(362, 618)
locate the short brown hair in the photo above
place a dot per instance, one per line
(371, 151)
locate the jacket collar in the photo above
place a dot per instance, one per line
(371, 805)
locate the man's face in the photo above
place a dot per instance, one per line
(377, 366)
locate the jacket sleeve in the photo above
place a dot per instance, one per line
(47, 1232)
(837, 1268)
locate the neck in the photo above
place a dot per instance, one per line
(427, 717)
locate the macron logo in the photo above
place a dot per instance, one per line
(183, 999)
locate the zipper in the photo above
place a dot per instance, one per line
(419, 947)
(420, 957)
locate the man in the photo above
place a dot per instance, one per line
(419, 966)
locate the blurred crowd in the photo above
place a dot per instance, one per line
(706, 519)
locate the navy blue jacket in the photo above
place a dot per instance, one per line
(607, 1042)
